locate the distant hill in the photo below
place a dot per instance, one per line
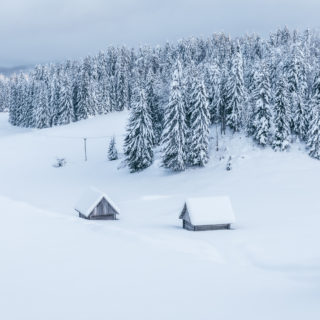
(10, 70)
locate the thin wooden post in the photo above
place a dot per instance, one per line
(85, 149)
(217, 137)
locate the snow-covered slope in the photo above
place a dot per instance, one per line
(144, 266)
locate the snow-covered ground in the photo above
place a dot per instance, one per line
(145, 266)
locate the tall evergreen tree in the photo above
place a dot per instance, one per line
(139, 139)
(222, 101)
(121, 85)
(281, 117)
(84, 105)
(187, 84)
(213, 76)
(314, 130)
(87, 103)
(300, 116)
(64, 114)
(13, 102)
(41, 105)
(112, 150)
(296, 71)
(198, 151)
(31, 104)
(235, 91)
(154, 105)
(54, 91)
(261, 110)
(174, 134)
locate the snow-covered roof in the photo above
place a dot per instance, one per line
(90, 199)
(209, 211)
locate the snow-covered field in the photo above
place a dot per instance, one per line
(145, 266)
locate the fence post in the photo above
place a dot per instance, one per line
(85, 149)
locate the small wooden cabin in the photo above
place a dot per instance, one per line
(95, 205)
(211, 213)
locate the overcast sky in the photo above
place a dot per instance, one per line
(37, 31)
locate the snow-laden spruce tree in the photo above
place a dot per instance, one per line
(154, 105)
(300, 116)
(174, 133)
(139, 138)
(314, 128)
(42, 105)
(213, 78)
(261, 118)
(14, 102)
(187, 86)
(121, 78)
(300, 96)
(296, 72)
(21, 99)
(235, 91)
(64, 113)
(2, 95)
(281, 139)
(222, 101)
(86, 93)
(103, 96)
(12, 105)
(198, 140)
(29, 113)
(112, 150)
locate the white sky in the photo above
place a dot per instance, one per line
(36, 31)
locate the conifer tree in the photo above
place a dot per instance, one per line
(104, 103)
(187, 84)
(314, 130)
(64, 113)
(2, 94)
(213, 75)
(86, 95)
(139, 139)
(121, 92)
(198, 144)
(300, 116)
(53, 92)
(261, 110)
(154, 105)
(31, 106)
(174, 134)
(112, 151)
(222, 101)
(296, 68)
(21, 99)
(235, 92)
(281, 117)
(42, 105)
(13, 105)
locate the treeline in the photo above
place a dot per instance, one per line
(268, 88)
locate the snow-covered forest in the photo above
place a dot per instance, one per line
(267, 88)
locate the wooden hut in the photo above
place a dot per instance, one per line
(95, 205)
(212, 213)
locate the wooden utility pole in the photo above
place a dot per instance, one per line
(217, 138)
(85, 149)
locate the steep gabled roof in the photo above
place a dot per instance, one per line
(90, 199)
(208, 211)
